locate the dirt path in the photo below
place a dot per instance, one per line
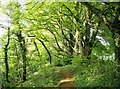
(67, 80)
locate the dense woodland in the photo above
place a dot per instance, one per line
(42, 40)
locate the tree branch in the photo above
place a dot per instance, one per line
(50, 57)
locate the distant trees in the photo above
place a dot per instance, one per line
(44, 30)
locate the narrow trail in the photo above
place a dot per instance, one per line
(67, 80)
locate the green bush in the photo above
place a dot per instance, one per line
(100, 73)
(43, 78)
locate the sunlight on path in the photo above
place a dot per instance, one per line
(67, 81)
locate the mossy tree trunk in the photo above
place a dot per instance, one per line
(22, 43)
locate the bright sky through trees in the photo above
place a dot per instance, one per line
(48, 40)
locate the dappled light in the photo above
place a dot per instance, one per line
(64, 45)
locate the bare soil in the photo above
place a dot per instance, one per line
(67, 80)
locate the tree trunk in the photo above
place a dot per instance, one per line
(6, 62)
(24, 60)
(21, 40)
(86, 51)
(114, 27)
(6, 55)
(117, 57)
(116, 37)
(71, 42)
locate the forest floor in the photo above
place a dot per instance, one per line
(67, 79)
(71, 76)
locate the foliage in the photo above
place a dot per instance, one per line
(77, 36)
(100, 73)
(45, 77)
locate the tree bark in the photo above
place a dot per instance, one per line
(6, 56)
(24, 60)
(71, 42)
(50, 57)
(37, 49)
(6, 63)
(21, 40)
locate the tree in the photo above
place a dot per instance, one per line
(74, 27)
(21, 40)
(16, 21)
(110, 17)
(43, 33)
(6, 55)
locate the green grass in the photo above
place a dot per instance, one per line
(68, 67)
(44, 78)
(97, 74)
